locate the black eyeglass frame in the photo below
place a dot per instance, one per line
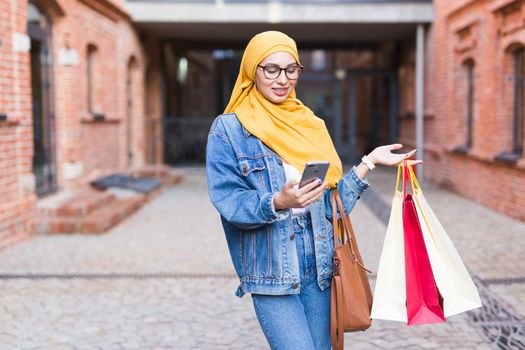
(281, 70)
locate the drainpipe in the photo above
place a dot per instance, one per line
(420, 141)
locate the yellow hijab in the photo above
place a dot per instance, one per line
(289, 128)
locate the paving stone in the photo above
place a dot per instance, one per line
(179, 233)
(429, 344)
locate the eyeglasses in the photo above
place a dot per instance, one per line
(273, 71)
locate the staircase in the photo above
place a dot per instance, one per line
(84, 211)
(91, 211)
(165, 174)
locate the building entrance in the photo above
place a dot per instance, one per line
(198, 83)
(44, 169)
(355, 96)
(368, 113)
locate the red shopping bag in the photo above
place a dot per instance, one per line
(424, 303)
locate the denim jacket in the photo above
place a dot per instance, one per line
(244, 175)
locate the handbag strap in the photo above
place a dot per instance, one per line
(341, 230)
(336, 325)
(350, 231)
(336, 322)
(335, 221)
(348, 235)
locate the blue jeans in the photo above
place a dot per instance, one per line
(298, 321)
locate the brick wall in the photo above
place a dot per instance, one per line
(481, 32)
(84, 148)
(18, 200)
(116, 45)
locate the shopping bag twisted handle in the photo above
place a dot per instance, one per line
(397, 178)
(406, 178)
(413, 179)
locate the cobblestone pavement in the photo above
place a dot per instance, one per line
(163, 279)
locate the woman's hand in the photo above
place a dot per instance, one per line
(291, 197)
(383, 155)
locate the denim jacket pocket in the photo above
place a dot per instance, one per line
(253, 169)
(248, 166)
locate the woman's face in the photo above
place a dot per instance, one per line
(276, 90)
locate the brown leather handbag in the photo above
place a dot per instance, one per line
(351, 297)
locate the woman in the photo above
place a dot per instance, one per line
(280, 236)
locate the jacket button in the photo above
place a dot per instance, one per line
(292, 236)
(280, 161)
(295, 285)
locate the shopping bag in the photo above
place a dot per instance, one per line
(390, 291)
(424, 304)
(452, 278)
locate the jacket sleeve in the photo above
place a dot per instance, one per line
(239, 204)
(350, 188)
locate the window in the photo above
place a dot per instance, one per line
(516, 100)
(468, 100)
(517, 108)
(91, 69)
(469, 68)
(91, 53)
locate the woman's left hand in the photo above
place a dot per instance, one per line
(383, 155)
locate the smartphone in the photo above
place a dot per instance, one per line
(314, 170)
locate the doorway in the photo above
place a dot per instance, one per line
(368, 113)
(357, 99)
(198, 81)
(346, 87)
(44, 169)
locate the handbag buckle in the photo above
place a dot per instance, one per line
(337, 262)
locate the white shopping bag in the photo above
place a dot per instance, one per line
(452, 278)
(390, 288)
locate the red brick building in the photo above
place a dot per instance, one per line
(71, 101)
(475, 101)
(89, 87)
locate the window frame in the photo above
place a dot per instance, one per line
(468, 67)
(91, 56)
(517, 62)
(518, 58)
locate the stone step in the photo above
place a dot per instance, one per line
(98, 220)
(55, 224)
(84, 203)
(150, 170)
(104, 218)
(160, 172)
(72, 203)
(93, 211)
(172, 178)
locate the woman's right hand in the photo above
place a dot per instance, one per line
(291, 197)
